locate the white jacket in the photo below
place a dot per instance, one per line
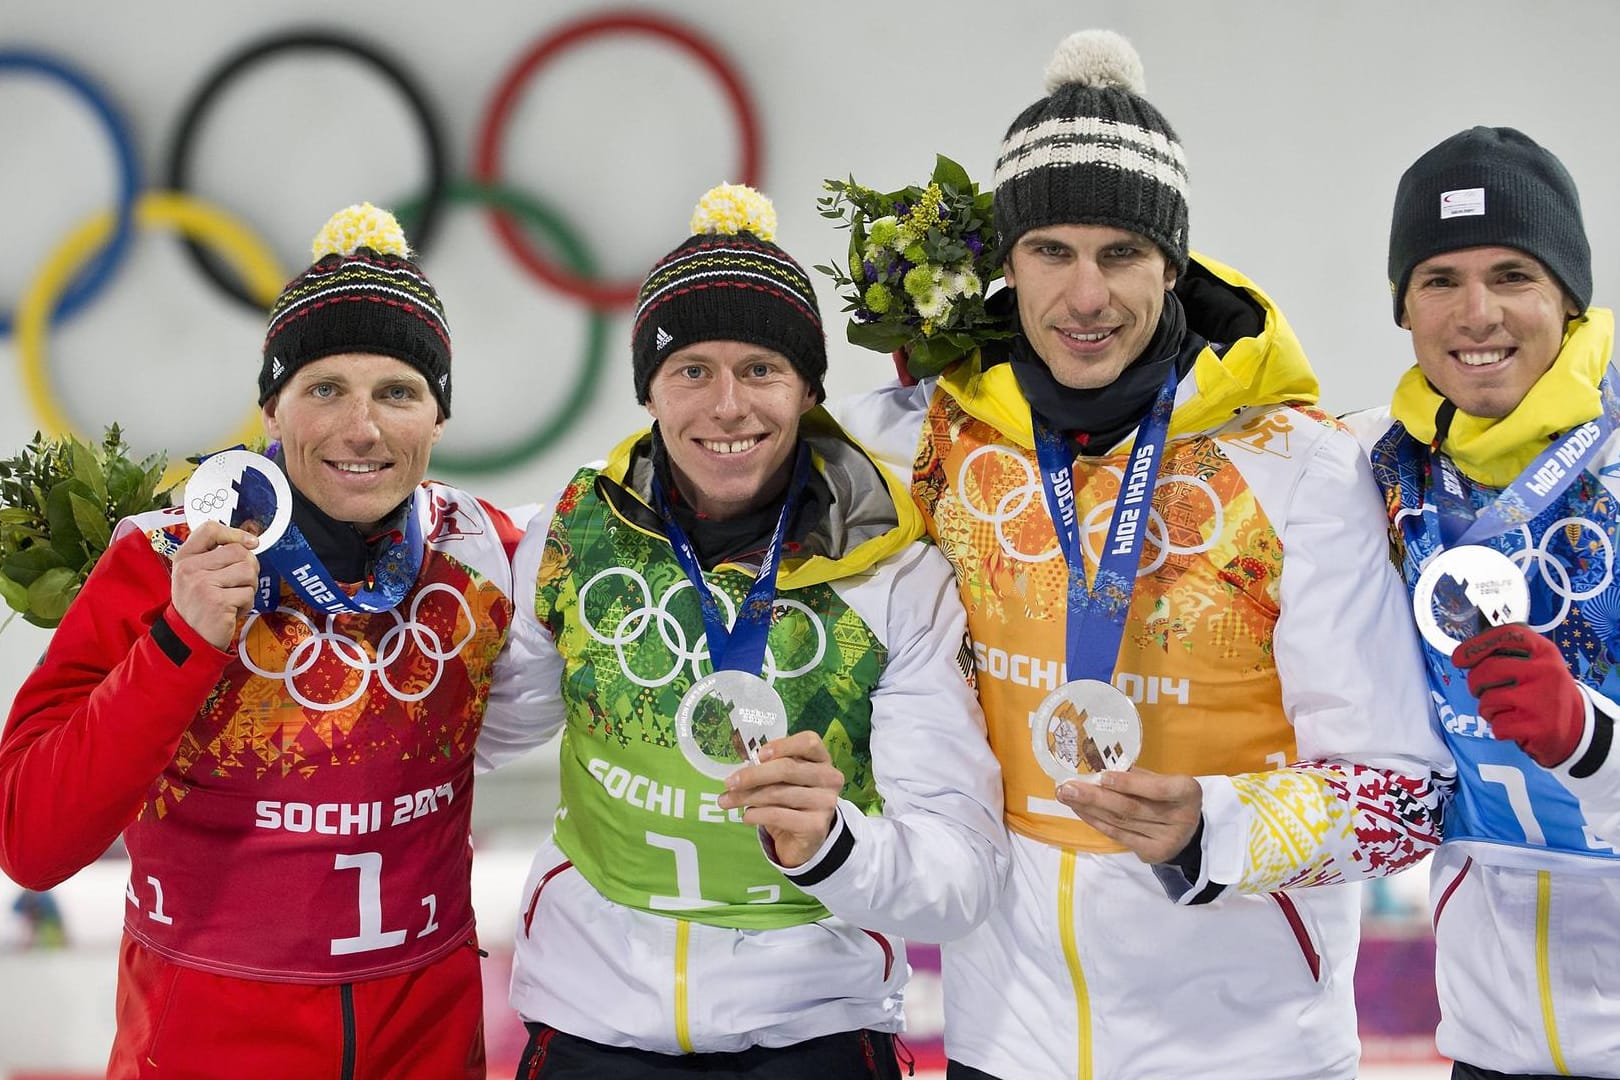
(930, 866)
(1528, 938)
(1096, 965)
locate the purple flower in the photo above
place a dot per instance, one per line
(868, 271)
(974, 244)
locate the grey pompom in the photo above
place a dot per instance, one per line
(1098, 58)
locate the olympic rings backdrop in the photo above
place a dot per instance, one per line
(239, 153)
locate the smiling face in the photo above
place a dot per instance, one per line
(1486, 323)
(356, 430)
(729, 415)
(1089, 298)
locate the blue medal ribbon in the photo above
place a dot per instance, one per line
(294, 561)
(1096, 617)
(1536, 488)
(742, 646)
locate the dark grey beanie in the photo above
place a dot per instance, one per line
(1093, 152)
(1490, 187)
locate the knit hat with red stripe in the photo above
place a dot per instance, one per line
(729, 282)
(363, 294)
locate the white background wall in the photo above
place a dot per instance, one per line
(1297, 118)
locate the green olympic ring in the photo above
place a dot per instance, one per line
(579, 261)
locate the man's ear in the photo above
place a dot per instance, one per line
(267, 413)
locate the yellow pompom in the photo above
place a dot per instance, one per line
(355, 227)
(733, 208)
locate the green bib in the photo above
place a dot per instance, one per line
(639, 821)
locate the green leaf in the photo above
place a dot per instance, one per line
(880, 336)
(930, 356)
(91, 518)
(65, 534)
(87, 469)
(27, 565)
(50, 595)
(14, 593)
(948, 172)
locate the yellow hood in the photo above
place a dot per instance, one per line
(1495, 452)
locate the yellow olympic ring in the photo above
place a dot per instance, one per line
(249, 256)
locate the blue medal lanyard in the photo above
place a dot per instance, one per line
(1537, 487)
(293, 560)
(742, 647)
(1096, 617)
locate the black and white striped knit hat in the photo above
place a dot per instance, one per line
(363, 294)
(729, 282)
(1093, 152)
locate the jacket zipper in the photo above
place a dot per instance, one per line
(346, 998)
(888, 952)
(1549, 1016)
(542, 1045)
(528, 916)
(1071, 957)
(1445, 897)
(1302, 937)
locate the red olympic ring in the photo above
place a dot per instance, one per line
(487, 168)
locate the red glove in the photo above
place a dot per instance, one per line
(1525, 691)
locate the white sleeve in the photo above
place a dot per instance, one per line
(887, 423)
(1355, 691)
(525, 705)
(1592, 773)
(932, 866)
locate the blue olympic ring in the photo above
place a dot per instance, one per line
(100, 269)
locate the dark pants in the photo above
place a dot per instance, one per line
(1463, 1071)
(855, 1055)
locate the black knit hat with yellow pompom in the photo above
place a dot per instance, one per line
(363, 294)
(729, 282)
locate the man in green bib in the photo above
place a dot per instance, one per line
(773, 762)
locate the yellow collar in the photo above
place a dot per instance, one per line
(1495, 452)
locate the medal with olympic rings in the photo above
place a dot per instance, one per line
(237, 488)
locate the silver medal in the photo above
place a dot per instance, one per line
(216, 489)
(1084, 728)
(1465, 590)
(725, 718)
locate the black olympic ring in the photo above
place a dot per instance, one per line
(180, 151)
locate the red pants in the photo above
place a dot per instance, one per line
(178, 1023)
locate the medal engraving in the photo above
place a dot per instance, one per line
(1465, 590)
(1083, 729)
(725, 718)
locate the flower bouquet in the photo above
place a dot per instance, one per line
(920, 261)
(59, 502)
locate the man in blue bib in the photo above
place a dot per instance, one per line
(1501, 466)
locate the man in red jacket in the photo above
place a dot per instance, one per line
(283, 732)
